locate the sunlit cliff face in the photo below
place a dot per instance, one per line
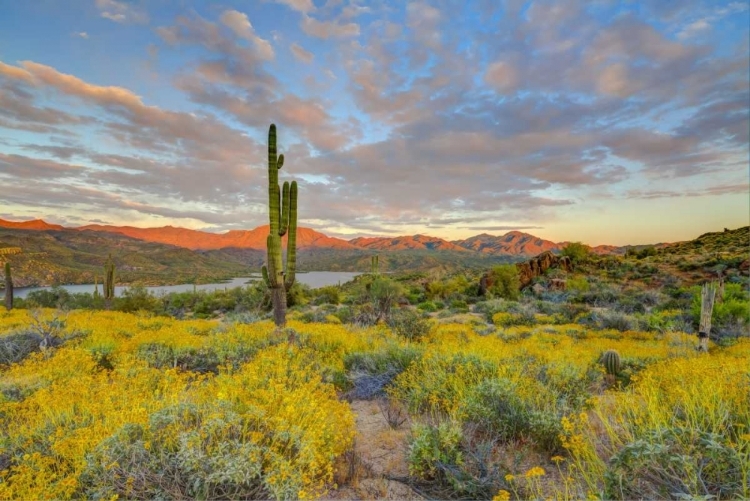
(606, 123)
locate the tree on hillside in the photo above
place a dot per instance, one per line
(505, 282)
(577, 252)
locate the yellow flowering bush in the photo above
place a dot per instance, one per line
(76, 428)
(144, 407)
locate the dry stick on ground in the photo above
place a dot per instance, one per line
(708, 295)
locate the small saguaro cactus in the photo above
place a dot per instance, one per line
(282, 215)
(611, 363)
(374, 265)
(96, 287)
(8, 287)
(109, 281)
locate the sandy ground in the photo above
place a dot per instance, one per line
(379, 452)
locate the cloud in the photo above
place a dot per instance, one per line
(502, 76)
(726, 189)
(121, 12)
(303, 6)
(424, 20)
(33, 169)
(415, 115)
(240, 25)
(301, 54)
(328, 29)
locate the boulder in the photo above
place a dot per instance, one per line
(557, 284)
(529, 270)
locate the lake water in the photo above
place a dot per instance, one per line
(312, 279)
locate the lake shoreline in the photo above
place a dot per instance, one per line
(313, 279)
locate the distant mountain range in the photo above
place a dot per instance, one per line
(511, 244)
(53, 254)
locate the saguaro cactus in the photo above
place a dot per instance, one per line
(282, 215)
(374, 265)
(109, 281)
(708, 296)
(8, 287)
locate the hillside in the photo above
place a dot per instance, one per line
(70, 256)
(512, 243)
(412, 242)
(202, 240)
(733, 242)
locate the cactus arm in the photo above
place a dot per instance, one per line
(280, 162)
(284, 210)
(264, 272)
(291, 250)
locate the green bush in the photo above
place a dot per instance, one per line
(506, 282)
(427, 306)
(409, 324)
(137, 298)
(433, 448)
(676, 463)
(327, 295)
(578, 284)
(577, 252)
(209, 459)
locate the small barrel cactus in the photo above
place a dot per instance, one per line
(611, 362)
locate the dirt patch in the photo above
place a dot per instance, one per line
(379, 455)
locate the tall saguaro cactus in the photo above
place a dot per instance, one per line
(8, 287)
(282, 214)
(109, 281)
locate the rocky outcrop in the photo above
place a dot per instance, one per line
(529, 270)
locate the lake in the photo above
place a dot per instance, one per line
(313, 279)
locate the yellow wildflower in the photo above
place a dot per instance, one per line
(536, 471)
(502, 496)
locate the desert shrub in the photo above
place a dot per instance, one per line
(136, 298)
(602, 296)
(451, 461)
(507, 284)
(409, 324)
(497, 407)
(676, 463)
(371, 372)
(578, 284)
(270, 430)
(15, 347)
(385, 294)
(427, 306)
(438, 383)
(161, 356)
(56, 297)
(327, 295)
(345, 314)
(577, 252)
(459, 305)
(297, 295)
(137, 463)
(507, 319)
(608, 319)
(433, 448)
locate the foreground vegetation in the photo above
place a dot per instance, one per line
(504, 395)
(141, 406)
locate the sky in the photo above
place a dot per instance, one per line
(596, 121)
